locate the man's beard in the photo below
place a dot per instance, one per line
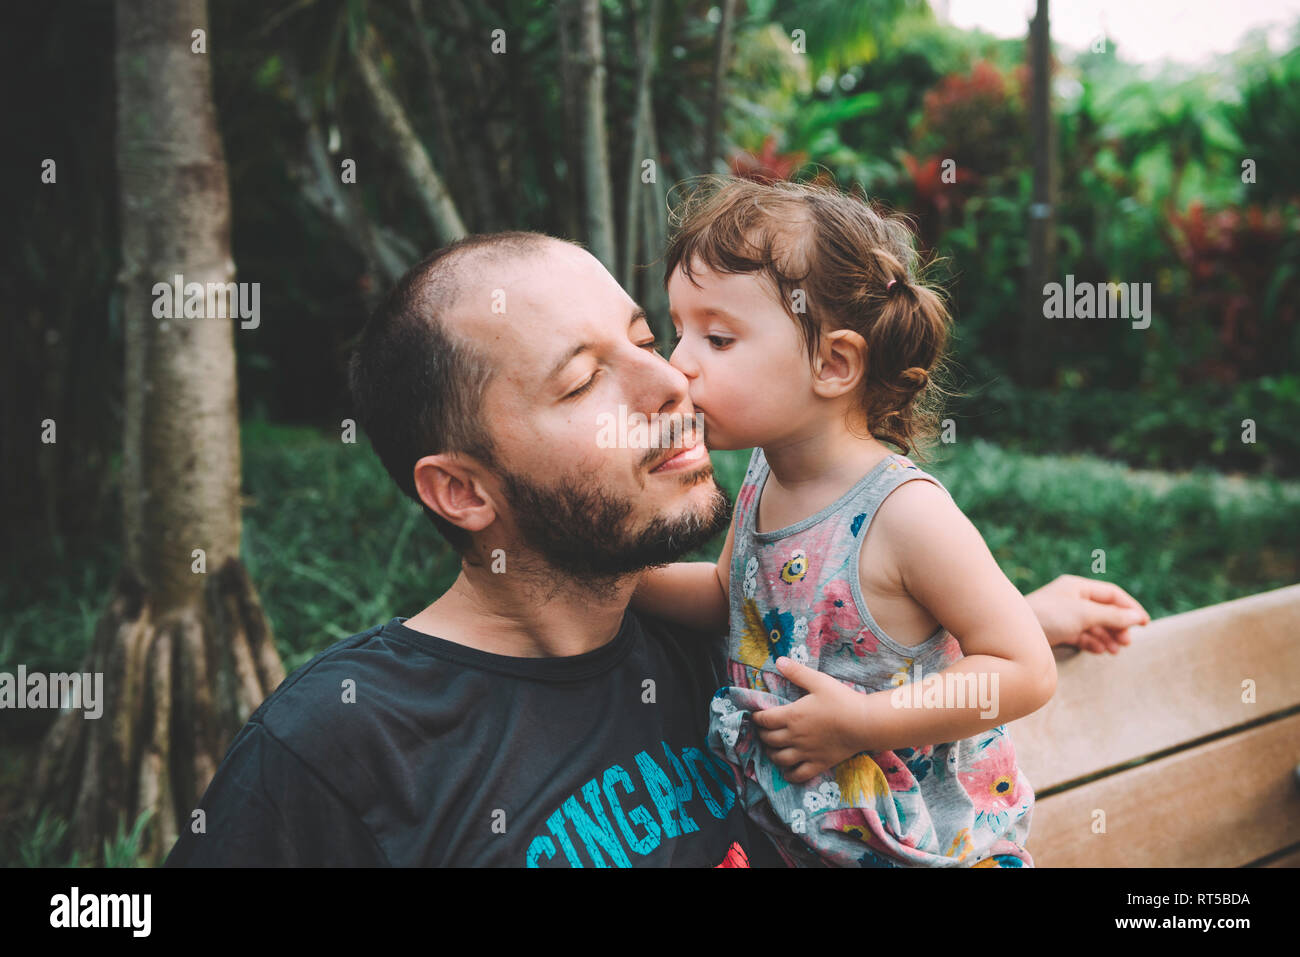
(585, 532)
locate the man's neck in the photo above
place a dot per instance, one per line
(504, 614)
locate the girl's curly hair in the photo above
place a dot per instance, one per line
(849, 264)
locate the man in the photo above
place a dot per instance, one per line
(527, 717)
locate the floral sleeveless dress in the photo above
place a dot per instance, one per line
(795, 592)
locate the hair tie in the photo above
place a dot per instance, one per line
(890, 285)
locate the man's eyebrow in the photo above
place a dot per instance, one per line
(638, 315)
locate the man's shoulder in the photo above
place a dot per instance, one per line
(342, 700)
(317, 703)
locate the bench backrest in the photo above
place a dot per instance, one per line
(1180, 751)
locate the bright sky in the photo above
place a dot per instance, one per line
(1145, 30)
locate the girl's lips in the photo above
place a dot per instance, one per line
(686, 458)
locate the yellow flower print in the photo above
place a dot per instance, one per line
(754, 647)
(963, 843)
(795, 568)
(902, 675)
(860, 780)
(857, 830)
(1002, 785)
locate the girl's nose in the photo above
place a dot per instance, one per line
(681, 361)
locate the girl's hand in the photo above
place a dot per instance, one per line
(817, 732)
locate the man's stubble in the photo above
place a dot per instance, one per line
(585, 532)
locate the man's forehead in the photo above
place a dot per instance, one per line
(528, 312)
(559, 278)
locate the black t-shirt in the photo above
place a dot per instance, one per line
(393, 747)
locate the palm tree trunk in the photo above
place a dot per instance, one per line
(429, 188)
(186, 656)
(322, 187)
(634, 202)
(655, 217)
(564, 24)
(469, 165)
(595, 149)
(721, 59)
(1033, 349)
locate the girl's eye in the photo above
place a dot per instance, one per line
(719, 342)
(585, 387)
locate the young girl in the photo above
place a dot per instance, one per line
(876, 650)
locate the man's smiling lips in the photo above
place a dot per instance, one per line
(686, 458)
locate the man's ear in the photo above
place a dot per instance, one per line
(453, 487)
(841, 363)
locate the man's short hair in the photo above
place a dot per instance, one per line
(417, 386)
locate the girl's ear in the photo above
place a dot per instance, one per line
(841, 363)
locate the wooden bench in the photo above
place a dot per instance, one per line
(1156, 757)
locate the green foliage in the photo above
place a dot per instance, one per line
(42, 845)
(1176, 542)
(837, 33)
(1266, 124)
(1155, 428)
(1131, 150)
(331, 542)
(124, 849)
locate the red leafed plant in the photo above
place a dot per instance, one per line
(1233, 258)
(977, 122)
(768, 165)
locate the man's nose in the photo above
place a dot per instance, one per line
(666, 388)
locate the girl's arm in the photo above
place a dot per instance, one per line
(1008, 670)
(694, 594)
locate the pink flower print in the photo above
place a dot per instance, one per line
(820, 635)
(897, 773)
(837, 606)
(865, 643)
(746, 498)
(994, 787)
(837, 621)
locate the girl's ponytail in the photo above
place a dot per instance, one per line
(906, 340)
